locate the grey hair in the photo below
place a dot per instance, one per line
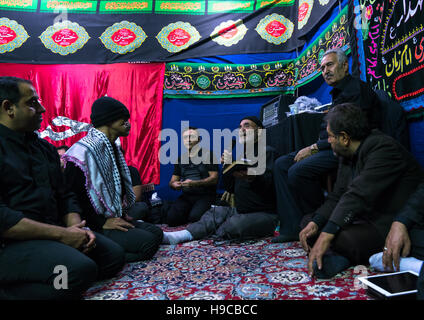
(341, 55)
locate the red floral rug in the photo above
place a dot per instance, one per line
(206, 270)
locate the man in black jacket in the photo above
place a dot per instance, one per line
(375, 178)
(254, 213)
(46, 252)
(298, 175)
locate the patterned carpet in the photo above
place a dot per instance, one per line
(204, 270)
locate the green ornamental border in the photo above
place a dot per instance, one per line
(192, 80)
(184, 80)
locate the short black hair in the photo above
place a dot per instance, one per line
(349, 118)
(190, 128)
(9, 88)
(255, 120)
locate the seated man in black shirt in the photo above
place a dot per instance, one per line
(98, 174)
(196, 178)
(298, 175)
(40, 226)
(254, 213)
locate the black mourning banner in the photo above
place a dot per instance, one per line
(86, 31)
(389, 47)
(312, 13)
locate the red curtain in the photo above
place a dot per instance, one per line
(69, 91)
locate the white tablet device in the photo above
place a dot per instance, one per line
(392, 285)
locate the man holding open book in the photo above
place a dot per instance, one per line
(254, 214)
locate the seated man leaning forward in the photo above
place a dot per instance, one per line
(254, 213)
(98, 174)
(375, 178)
(45, 250)
(196, 174)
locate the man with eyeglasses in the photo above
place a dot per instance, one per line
(375, 178)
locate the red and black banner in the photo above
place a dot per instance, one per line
(390, 48)
(94, 31)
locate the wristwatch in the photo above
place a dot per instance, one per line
(314, 148)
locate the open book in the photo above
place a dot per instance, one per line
(238, 165)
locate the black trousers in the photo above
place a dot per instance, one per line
(139, 243)
(139, 211)
(298, 187)
(357, 242)
(189, 208)
(27, 268)
(226, 223)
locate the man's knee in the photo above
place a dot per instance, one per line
(112, 258)
(61, 272)
(177, 214)
(139, 211)
(305, 172)
(283, 163)
(82, 272)
(296, 175)
(199, 209)
(152, 239)
(357, 247)
(248, 226)
(72, 278)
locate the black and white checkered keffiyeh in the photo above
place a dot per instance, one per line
(94, 155)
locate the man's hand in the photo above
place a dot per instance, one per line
(117, 224)
(304, 153)
(397, 241)
(78, 238)
(310, 230)
(317, 252)
(177, 185)
(187, 183)
(227, 157)
(91, 242)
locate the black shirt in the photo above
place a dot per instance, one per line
(76, 180)
(353, 90)
(31, 181)
(135, 176)
(257, 195)
(186, 169)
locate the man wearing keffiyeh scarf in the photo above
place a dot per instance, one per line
(98, 174)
